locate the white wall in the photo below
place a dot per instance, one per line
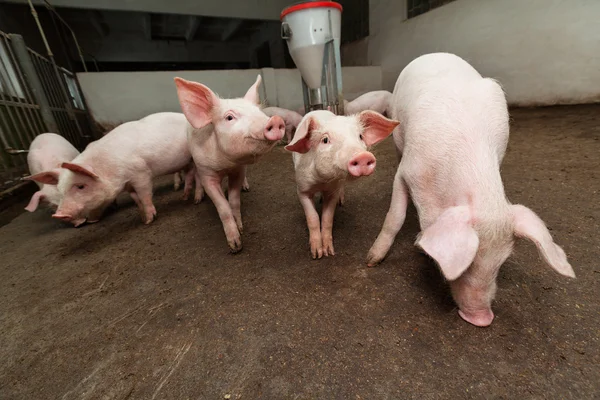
(542, 51)
(117, 97)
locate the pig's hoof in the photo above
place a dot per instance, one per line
(198, 198)
(481, 318)
(373, 260)
(246, 188)
(176, 187)
(317, 253)
(235, 247)
(328, 248)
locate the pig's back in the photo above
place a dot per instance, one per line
(454, 127)
(48, 151)
(157, 142)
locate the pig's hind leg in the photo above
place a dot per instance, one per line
(393, 221)
(245, 185)
(142, 189)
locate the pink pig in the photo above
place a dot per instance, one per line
(224, 137)
(452, 137)
(328, 150)
(46, 153)
(378, 100)
(127, 158)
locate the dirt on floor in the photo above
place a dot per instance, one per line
(122, 310)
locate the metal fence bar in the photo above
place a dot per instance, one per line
(15, 107)
(29, 72)
(24, 103)
(36, 117)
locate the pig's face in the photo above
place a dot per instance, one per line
(338, 144)
(84, 194)
(241, 129)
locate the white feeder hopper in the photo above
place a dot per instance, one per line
(312, 30)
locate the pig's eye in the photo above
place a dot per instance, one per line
(361, 136)
(80, 187)
(325, 140)
(229, 117)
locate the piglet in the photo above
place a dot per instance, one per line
(378, 101)
(127, 158)
(46, 153)
(225, 136)
(327, 151)
(452, 138)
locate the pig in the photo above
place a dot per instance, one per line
(291, 119)
(125, 159)
(327, 151)
(378, 100)
(453, 134)
(226, 135)
(46, 153)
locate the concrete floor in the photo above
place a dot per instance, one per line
(123, 310)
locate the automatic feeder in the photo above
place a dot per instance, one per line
(312, 31)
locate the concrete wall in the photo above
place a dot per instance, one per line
(542, 51)
(117, 97)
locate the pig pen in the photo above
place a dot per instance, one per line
(122, 310)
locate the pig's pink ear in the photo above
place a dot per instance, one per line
(451, 241)
(80, 169)
(528, 225)
(301, 141)
(376, 127)
(197, 102)
(252, 93)
(46, 177)
(35, 201)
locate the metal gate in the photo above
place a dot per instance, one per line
(35, 97)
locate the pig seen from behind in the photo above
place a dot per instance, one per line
(377, 100)
(127, 158)
(46, 154)
(327, 151)
(225, 136)
(452, 138)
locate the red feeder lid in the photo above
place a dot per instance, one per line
(310, 4)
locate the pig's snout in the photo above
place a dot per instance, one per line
(275, 128)
(362, 164)
(62, 217)
(480, 318)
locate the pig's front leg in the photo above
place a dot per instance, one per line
(143, 191)
(234, 190)
(314, 225)
(393, 221)
(330, 201)
(212, 185)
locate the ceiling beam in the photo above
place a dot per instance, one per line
(231, 29)
(95, 18)
(247, 9)
(147, 26)
(193, 24)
